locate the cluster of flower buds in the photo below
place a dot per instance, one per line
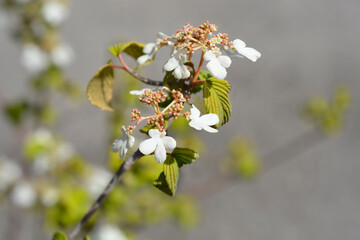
(215, 48)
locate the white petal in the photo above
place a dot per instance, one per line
(116, 145)
(184, 72)
(209, 119)
(216, 69)
(177, 73)
(160, 153)
(225, 61)
(194, 112)
(171, 64)
(195, 124)
(250, 53)
(123, 151)
(210, 129)
(169, 143)
(123, 130)
(138, 92)
(131, 141)
(154, 133)
(209, 55)
(238, 44)
(143, 59)
(149, 48)
(148, 146)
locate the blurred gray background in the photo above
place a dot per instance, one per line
(308, 48)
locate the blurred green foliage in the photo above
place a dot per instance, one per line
(241, 158)
(329, 115)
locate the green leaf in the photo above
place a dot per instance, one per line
(171, 172)
(87, 238)
(59, 236)
(204, 75)
(100, 88)
(162, 185)
(133, 49)
(216, 99)
(16, 111)
(184, 156)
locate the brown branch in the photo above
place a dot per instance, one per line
(115, 179)
(135, 75)
(99, 201)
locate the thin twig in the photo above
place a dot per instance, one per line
(115, 179)
(135, 75)
(123, 168)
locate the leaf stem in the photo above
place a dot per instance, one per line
(199, 68)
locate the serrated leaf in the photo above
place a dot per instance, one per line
(162, 185)
(216, 99)
(184, 156)
(204, 75)
(59, 236)
(171, 172)
(133, 49)
(100, 88)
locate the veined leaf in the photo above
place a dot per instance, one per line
(171, 172)
(59, 236)
(133, 49)
(162, 185)
(216, 99)
(184, 156)
(100, 88)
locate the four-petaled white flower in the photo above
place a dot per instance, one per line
(141, 92)
(247, 52)
(149, 51)
(180, 70)
(54, 12)
(204, 122)
(123, 143)
(159, 143)
(217, 64)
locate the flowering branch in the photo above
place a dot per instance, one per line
(125, 166)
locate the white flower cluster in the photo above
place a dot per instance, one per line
(218, 60)
(159, 143)
(34, 58)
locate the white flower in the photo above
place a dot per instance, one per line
(23, 195)
(54, 12)
(180, 70)
(123, 143)
(247, 52)
(97, 181)
(149, 51)
(159, 143)
(50, 197)
(64, 152)
(217, 64)
(110, 232)
(34, 59)
(9, 173)
(204, 122)
(62, 55)
(141, 92)
(41, 165)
